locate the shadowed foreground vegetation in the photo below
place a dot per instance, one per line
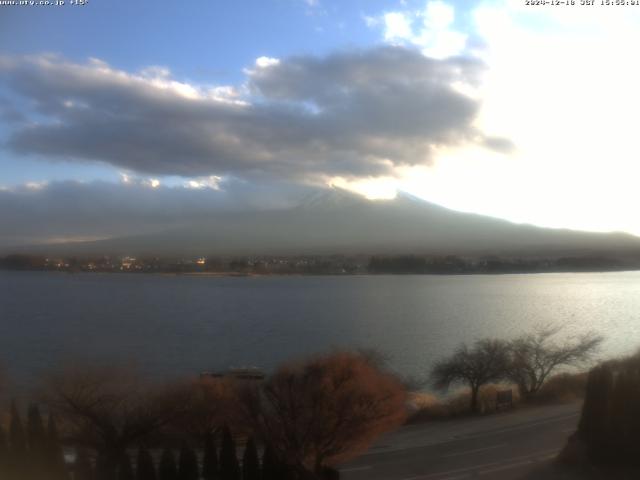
(606, 442)
(298, 424)
(560, 388)
(528, 362)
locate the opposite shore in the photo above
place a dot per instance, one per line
(261, 265)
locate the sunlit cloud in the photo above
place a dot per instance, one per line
(397, 26)
(562, 86)
(265, 62)
(526, 114)
(431, 29)
(354, 114)
(212, 182)
(35, 185)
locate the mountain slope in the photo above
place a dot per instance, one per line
(336, 221)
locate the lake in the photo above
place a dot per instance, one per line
(181, 325)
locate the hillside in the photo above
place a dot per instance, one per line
(336, 221)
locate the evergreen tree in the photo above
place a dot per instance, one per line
(634, 404)
(37, 440)
(250, 462)
(125, 470)
(620, 446)
(55, 457)
(17, 439)
(270, 470)
(167, 469)
(620, 420)
(594, 422)
(4, 454)
(329, 473)
(35, 430)
(83, 470)
(18, 459)
(145, 470)
(229, 467)
(188, 464)
(105, 470)
(273, 468)
(210, 469)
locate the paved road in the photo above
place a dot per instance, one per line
(503, 446)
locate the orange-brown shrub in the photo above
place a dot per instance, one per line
(325, 410)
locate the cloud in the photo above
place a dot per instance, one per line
(264, 62)
(351, 114)
(549, 88)
(397, 26)
(212, 182)
(49, 212)
(430, 29)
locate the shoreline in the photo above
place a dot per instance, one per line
(299, 274)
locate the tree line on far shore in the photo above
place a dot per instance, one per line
(453, 264)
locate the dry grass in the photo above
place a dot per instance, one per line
(561, 388)
(425, 407)
(430, 407)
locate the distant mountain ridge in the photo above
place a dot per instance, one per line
(337, 221)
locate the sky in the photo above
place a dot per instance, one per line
(120, 117)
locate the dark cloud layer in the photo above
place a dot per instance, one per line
(354, 113)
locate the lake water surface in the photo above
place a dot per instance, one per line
(176, 325)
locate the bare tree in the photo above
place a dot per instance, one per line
(486, 361)
(110, 409)
(533, 357)
(325, 410)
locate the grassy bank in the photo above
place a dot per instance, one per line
(561, 388)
